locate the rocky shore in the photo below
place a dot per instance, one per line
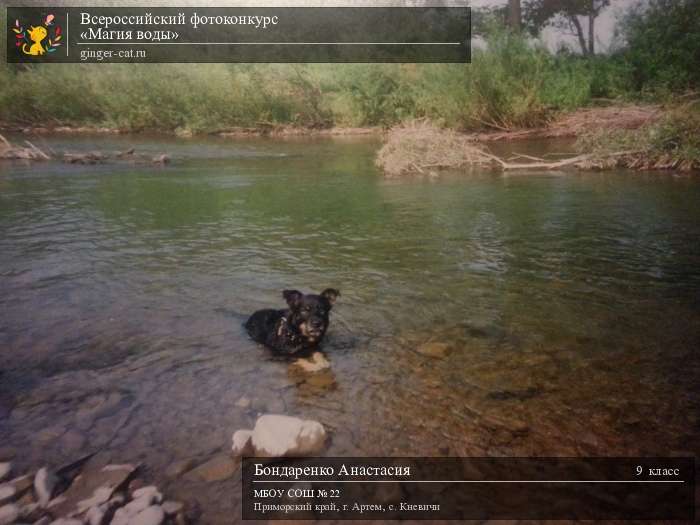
(80, 493)
(77, 494)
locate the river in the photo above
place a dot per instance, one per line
(570, 303)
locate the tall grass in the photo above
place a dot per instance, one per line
(512, 83)
(673, 141)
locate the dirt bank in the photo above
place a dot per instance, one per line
(579, 122)
(567, 125)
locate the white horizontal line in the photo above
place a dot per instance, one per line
(271, 43)
(468, 481)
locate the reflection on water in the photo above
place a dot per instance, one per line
(570, 305)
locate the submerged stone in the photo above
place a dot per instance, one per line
(218, 468)
(92, 487)
(315, 363)
(179, 467)
(434, 350)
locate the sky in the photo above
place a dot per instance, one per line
(605, 23)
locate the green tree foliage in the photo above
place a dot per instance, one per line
(663, 44)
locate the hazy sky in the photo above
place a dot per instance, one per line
(604, 24)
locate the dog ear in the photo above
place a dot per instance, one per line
(330, 295)
(292, 297)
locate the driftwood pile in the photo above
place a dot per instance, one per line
(421, 148)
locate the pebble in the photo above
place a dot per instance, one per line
(172, 507)
(150, 491)
(5, 469)
(136, 484)
(31, 512)
(22, 484)
(243, 403)
(121, 517)
(44, 484)
(152, 515)
(138, 504)
(242, 443)
(8, 514)
(7, 493)
(95, 515)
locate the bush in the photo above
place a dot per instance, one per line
(663, 45)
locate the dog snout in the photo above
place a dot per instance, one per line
(316, 325)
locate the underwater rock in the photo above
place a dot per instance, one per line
(5, 470)
(218, 468)
(93, 487)
(243, 403)
(179, 467)
(434, 350)
(315, 363)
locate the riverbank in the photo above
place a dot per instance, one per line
(567, 125)
(634, 136)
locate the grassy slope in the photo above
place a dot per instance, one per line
(512, 85)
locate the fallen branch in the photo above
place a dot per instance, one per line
(11, 152)
(37, 150)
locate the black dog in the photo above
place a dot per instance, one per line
(299, 328)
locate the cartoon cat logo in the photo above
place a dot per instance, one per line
(36, 35)
(38, 40)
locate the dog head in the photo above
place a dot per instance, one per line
(309, 313)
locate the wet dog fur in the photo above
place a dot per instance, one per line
(298, 328)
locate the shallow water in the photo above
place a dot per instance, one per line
(571, 304)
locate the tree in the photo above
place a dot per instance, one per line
(514, 15)
(663, 44)
(566, 15)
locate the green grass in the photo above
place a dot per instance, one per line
(513, 83)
